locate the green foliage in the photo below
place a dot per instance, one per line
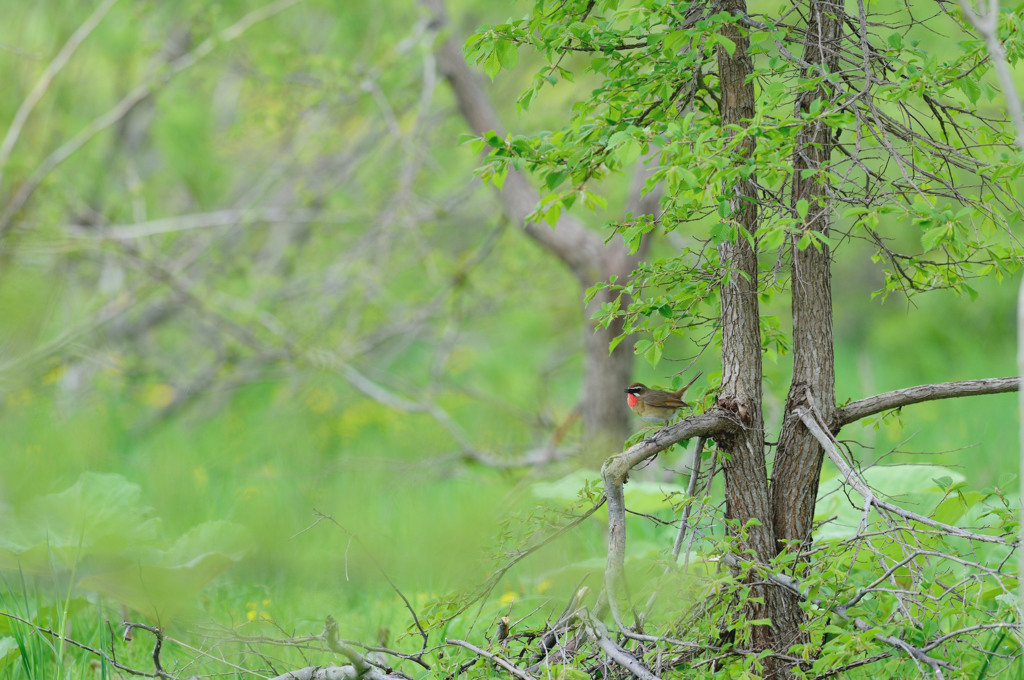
(938, 215)
(129, 479)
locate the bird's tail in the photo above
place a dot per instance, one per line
(682, 390)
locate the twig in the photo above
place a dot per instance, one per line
(97, 652)
(507, 665)
(380, 568)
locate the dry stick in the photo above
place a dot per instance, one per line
(812, 420)
(597, 630)
(158, 645)
(510, 667)
(97, 652)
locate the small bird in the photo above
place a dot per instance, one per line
(656, 406)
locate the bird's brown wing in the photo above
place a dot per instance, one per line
(672, 402)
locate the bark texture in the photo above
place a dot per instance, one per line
(799, 456)
(746, 480)
(797, 469)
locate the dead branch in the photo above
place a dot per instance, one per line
(494, 658)
(160, 673)
(597, 630)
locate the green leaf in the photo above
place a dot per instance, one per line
(933, 237)
(507, 53)
(802, 207)
(555, 178)
(653, 354)
(492, 65)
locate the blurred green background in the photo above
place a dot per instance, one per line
(189, 300)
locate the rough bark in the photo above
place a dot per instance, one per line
(798, 459)
(746, 480)
(585, 253)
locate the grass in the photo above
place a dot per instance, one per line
(399, 503)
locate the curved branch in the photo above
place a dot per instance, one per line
(913, 395)
(710, 424)
(582, 250)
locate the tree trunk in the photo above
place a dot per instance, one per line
(586, 254)
(798, 459)
(746, 479)
(605, 376)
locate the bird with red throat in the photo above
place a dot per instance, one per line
(656, 406)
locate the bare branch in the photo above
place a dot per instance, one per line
(49, 73)
(597, 630)
(812, 420)
(914, 395)
(96, 652)
(504, 663)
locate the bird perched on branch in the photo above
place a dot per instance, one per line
(656, 406)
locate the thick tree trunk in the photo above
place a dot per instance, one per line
(798, 459)
(746, 479)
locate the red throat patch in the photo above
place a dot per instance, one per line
(631, 400)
